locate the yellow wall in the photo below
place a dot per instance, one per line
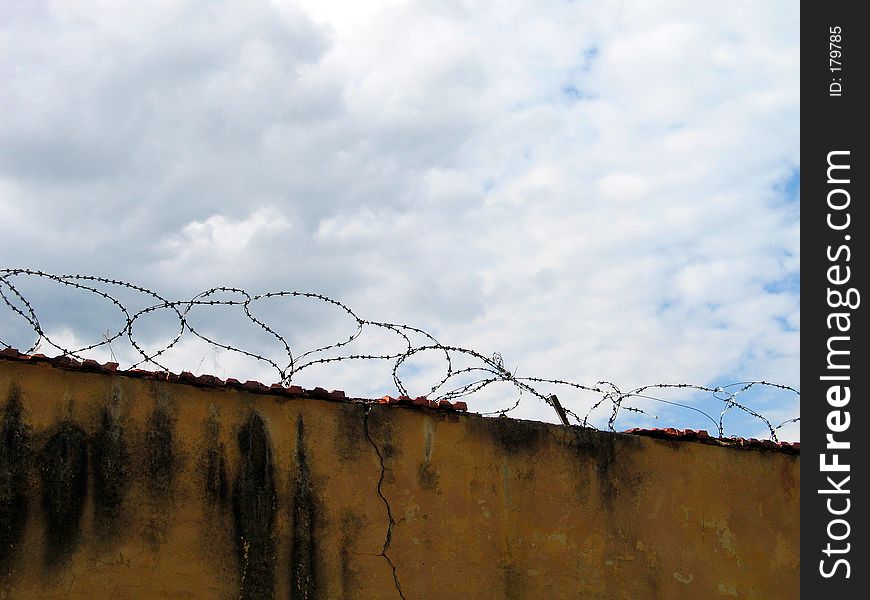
(117, 487)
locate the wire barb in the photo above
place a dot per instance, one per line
(486, 370)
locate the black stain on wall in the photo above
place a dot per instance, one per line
(351, 525)
(303, 574)
(349, 440)
(15, 453)
(598, 449)
(64, 470)
(514, 588)
(603, 448)
(427, 475)
(111, 472)
(254, 505)
(216, 485)
(379, 423)
(160, 456)
(390, 446)
(514, 436)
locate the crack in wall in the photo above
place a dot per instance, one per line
(390, 520)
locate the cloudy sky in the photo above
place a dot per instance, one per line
(596, 190)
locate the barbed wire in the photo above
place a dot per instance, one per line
(486, 371)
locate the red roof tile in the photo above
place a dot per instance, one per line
(210, 381)
(669, 433)
(277, 389)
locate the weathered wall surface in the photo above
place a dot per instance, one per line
(117, 487)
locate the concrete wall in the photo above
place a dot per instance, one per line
(119, 487)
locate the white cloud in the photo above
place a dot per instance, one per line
(221, 238)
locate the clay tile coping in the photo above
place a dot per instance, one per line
(210, 381)
(420, 402)
(669, 433)
(90, 364)
(319, 393)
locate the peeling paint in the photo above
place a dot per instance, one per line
(786, 554)
(687, 579)
(726, 537)
(727, 590)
